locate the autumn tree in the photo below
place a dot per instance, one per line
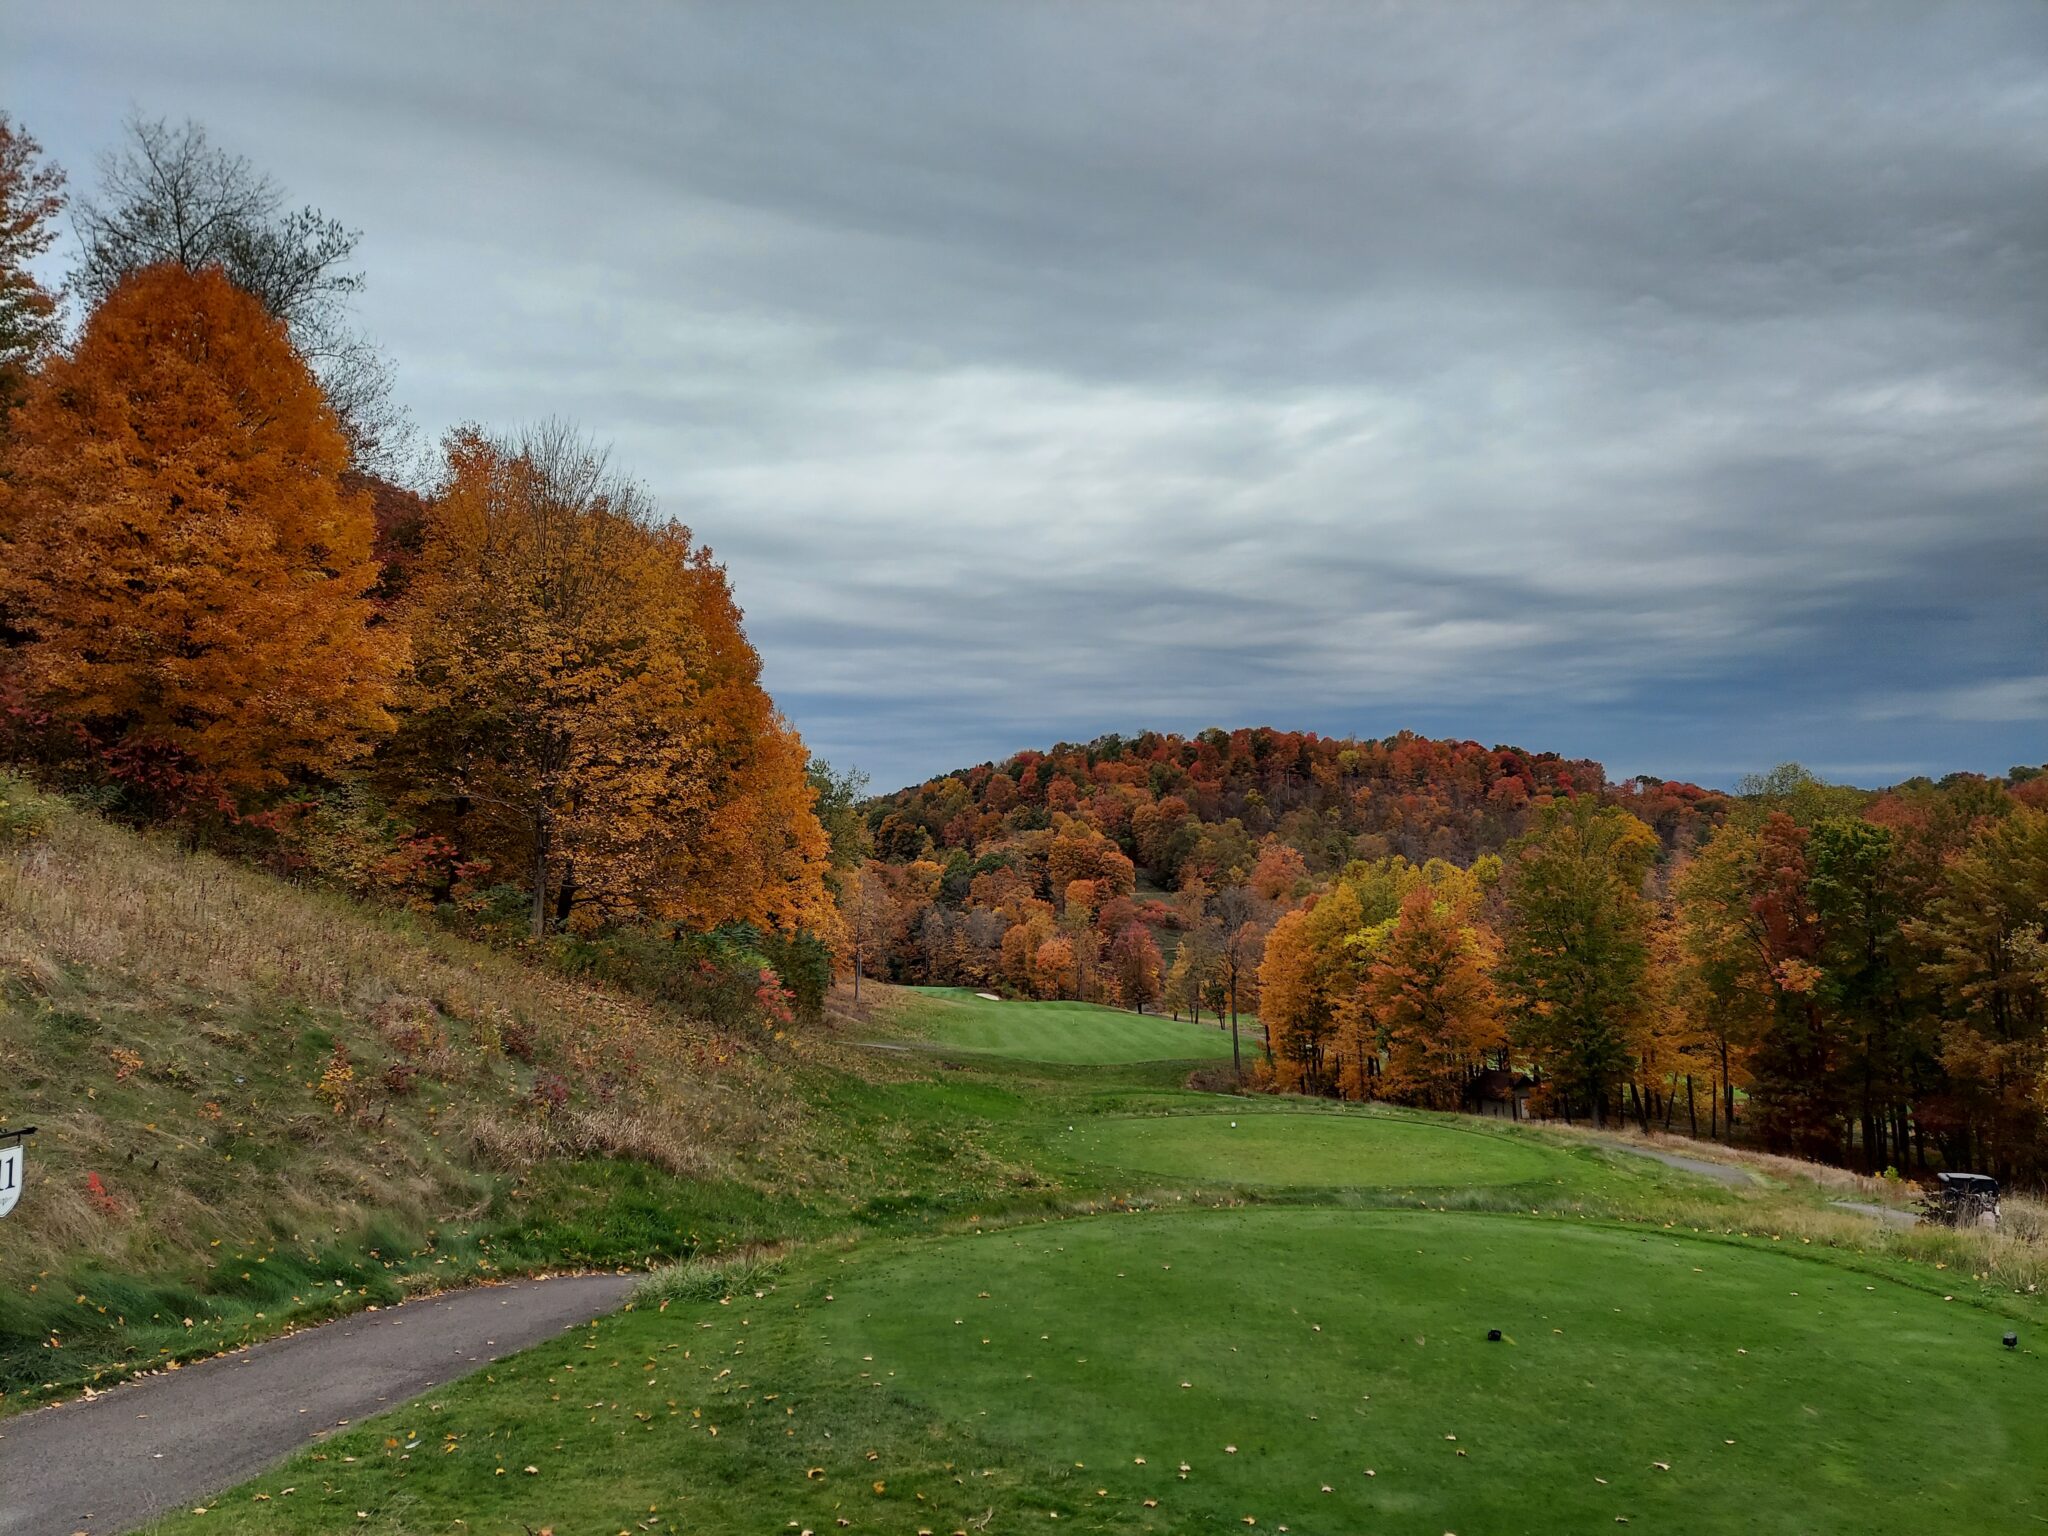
(1757, 919)
(867, 912)
(1242, 919)
(1134, 961)
(553, 717)
(1577, 945)
(1280, 873)
(1673, 1043)
(1083, 855)
(188, 572)
(1052, 966)
(1981, 940)
(1726, 978)
(1320, 1030)
(169, 195)
(1297, 1004)
(758, 853)
(1433, 997)
(31, 196)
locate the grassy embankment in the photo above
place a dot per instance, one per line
(261, 1105)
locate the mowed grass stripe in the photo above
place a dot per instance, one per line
(1078, 1034)
(1312, 1151)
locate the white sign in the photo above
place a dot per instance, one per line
(11, 1166)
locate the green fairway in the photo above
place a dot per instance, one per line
(1069, 1033)
(1261, 1146)
(1314, 1370)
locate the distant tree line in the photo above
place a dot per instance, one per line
(1849, 975)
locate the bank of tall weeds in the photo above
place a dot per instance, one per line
(233, 1076)
(1792, 1202)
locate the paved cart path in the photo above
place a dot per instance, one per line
(1724, 1173)
(112, 1462)
(1889, 1213)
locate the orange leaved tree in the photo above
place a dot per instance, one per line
(585, 706)
(758, 854)
(1432, 995)
(187, 574)
(551, 720)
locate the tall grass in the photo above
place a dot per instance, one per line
(1794, 1203)
(221, 1063)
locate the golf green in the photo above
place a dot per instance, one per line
(1310, 1150)
(1069, 1033)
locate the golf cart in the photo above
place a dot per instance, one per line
(1962, 1200)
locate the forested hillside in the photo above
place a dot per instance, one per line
(1203, 804)
(1851, 974)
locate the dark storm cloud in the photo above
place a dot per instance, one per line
(1662, 384)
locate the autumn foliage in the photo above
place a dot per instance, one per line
(185, 571)
(585, 707)
(525, 683)
(1432, 993)
(1845, 974)
(549, 716)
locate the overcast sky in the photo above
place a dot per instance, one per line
(1663, 385)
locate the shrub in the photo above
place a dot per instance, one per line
(23, 815)
(745, 1273)
(175, 1072)
(735, 976)
(337, 1082)
(517, 1038)
(102, 1200)
(549, 1094)
(412, 1037)
(804, 965)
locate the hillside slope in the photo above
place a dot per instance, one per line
(258, 1102)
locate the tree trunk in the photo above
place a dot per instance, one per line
(565, 897)
(1692, 1115)
(541, 851)
(1728, 1091)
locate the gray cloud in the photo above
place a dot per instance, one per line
(1663, 385)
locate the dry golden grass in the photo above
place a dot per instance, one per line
(117, 948)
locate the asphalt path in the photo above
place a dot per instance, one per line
(1887, 1213)
(1724, 1173)
(115, 1461)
